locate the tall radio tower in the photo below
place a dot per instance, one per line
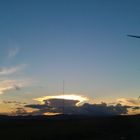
(63, 97)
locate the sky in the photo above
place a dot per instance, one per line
(83, 42)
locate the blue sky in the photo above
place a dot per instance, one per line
(83, 42)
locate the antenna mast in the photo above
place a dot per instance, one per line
(63, 96)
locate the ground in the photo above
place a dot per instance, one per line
(70, 127)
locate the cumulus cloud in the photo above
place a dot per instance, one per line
(69, 107)
(13, 51)
(11, 84)
(104, 109)
(11, 70)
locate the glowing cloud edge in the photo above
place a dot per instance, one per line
(79, 98)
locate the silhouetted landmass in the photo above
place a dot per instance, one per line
(69, 127)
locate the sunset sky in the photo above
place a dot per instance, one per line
(83, 42)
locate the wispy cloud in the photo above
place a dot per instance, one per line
(129, 101)
(11, 70)
(7, 85)
(13, 51)
(14, 102)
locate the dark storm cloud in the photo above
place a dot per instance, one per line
(60, 102)
(37, 106)
(136, 108)
(20, 111)
(104, 109)
(69, 107)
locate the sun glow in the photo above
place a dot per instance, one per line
(81, 99)
(51, 114)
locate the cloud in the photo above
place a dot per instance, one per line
(14, 102)
(52, 105)
(12, 52)
(129, 101)
(61, 102)
(11, 70)
(19, 111)
(10, 85)
(77, 98)
(69, 107)
(136, 108)
(104, 109)
(7, 84)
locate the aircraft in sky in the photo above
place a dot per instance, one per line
(133, 36)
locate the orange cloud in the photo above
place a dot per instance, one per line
(10, 84)
(129, 101)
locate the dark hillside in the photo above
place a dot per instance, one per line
(70, 127)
